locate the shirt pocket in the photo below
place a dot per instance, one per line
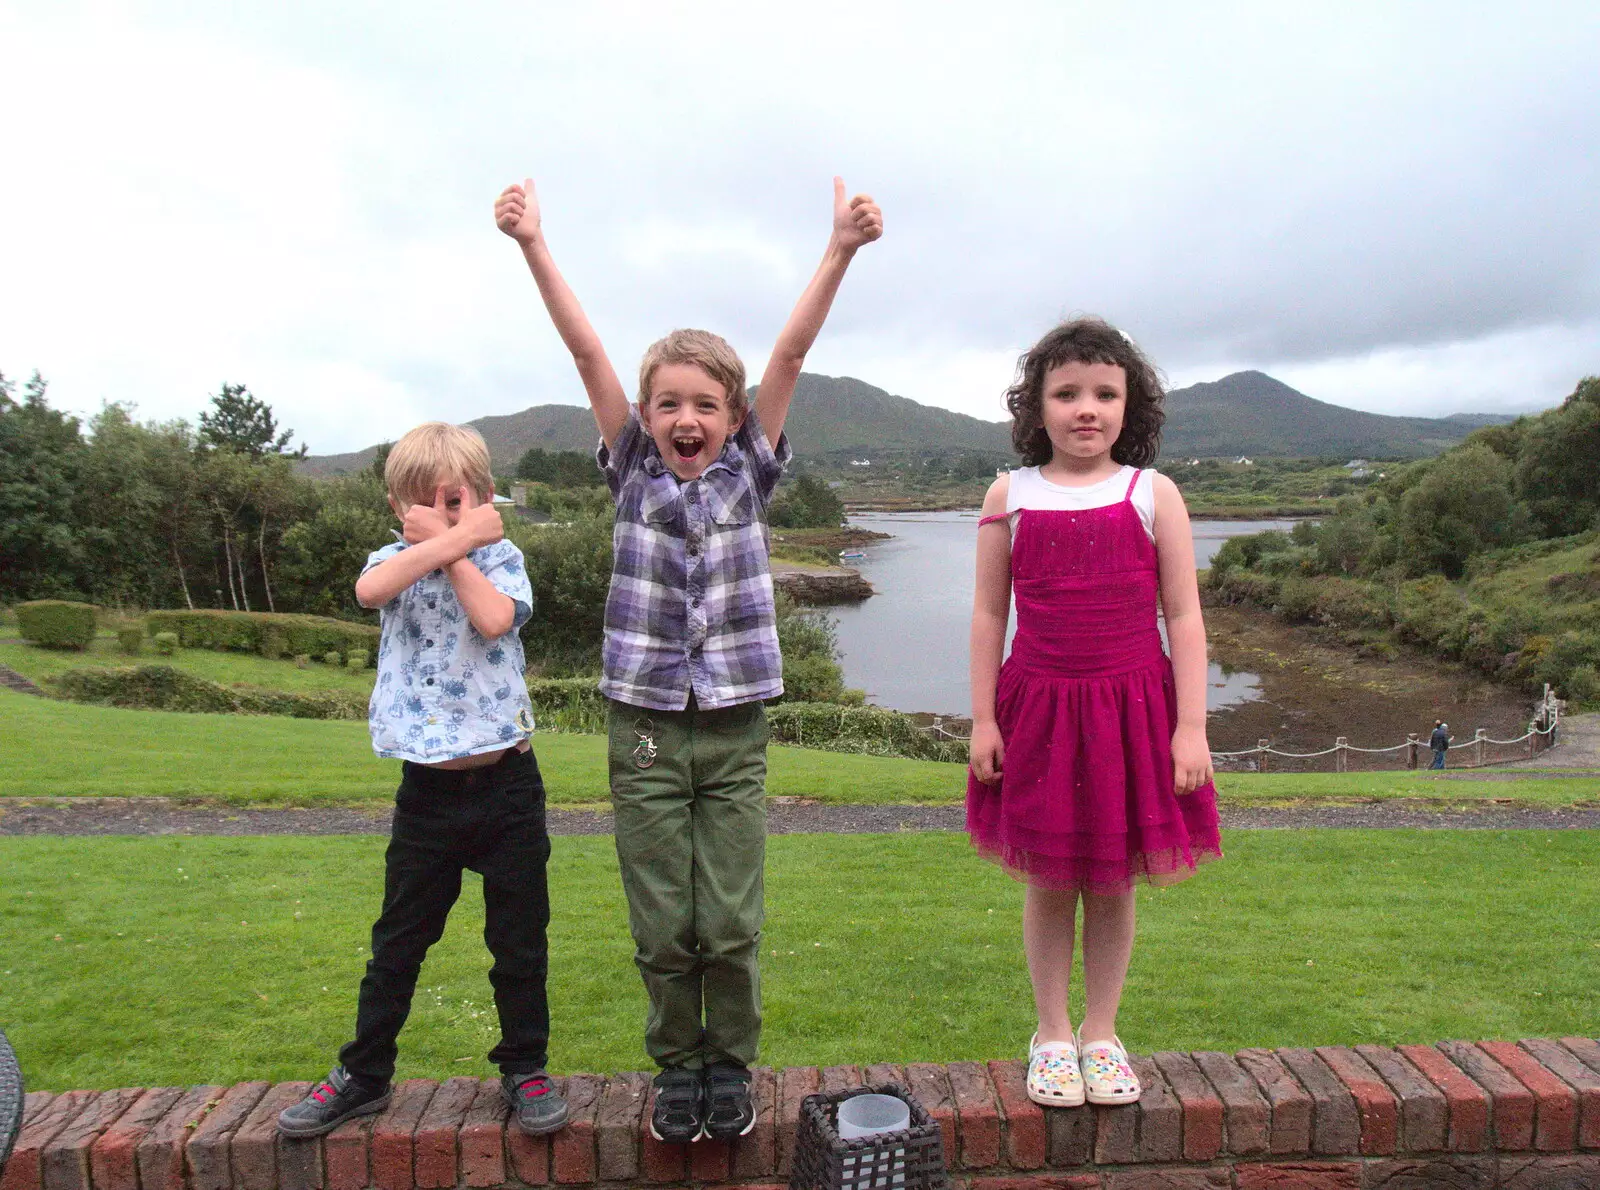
(730, 509)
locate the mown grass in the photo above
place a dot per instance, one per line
(57, 749)
(186, 960)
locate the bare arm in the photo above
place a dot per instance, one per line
(1186, 635)
(991, 611)
(516, 212)
(436, 544)
(855, 222)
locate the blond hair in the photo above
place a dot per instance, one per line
(437, 452)
(712, 354)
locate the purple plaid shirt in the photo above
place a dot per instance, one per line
(690, 607)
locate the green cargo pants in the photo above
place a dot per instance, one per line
(691, 831)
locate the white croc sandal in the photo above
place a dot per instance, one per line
(1107, 1077)
(1053, 1076)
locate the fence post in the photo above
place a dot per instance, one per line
(1341, 762)
(1412, 745)
(1533, 734)
(1262, 746)
(1478, 740)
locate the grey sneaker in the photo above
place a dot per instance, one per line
(539, 1108)
(331, 1102)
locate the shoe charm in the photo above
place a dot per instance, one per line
(644, 752)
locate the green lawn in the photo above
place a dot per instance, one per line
(187, 960)
(58, 749)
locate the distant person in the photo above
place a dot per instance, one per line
(1439, 741)
(690, 653)
(451, 702)
(1090, 768)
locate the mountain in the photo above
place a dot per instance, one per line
(1246, 413)
(1250, 413)
(830, 416)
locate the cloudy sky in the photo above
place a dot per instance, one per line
(1389, 206)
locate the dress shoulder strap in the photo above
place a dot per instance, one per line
(1132, 483)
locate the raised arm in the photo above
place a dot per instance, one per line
(1186, 635)
(516, 212)
(856, 221)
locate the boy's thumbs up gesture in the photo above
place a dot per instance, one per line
(516, 212)
(856, 221)
(480, 522)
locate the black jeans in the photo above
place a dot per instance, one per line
(489, 820)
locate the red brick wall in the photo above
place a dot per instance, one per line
(1523, 1115)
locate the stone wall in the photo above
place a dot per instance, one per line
(1522, 1115)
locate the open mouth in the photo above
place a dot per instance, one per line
(687, 448)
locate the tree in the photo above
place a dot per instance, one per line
(807, 504)
(1556, 475)
(323, 553)
(41, 547)
(240, 421)
(1461, 505)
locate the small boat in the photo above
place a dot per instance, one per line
(852, 554)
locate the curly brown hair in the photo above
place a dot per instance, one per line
(1087, 341)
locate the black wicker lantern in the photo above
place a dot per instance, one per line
(910, 1159)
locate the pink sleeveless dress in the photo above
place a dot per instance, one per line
(1086, 706)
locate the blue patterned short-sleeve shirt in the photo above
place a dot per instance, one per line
(444, 690)
(690, 605)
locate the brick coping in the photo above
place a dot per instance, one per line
(1496, 1113)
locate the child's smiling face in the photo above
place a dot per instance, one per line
(688, 417)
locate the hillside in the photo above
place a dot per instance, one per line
(1250, 413)
(1246, 413)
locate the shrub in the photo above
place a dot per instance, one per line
(356, 659)
(57, 623)
(302, 660)
(332, 657)
(274, 642)
(166, 643)
(130, 640)
(163, 688)
(872, 730)
(245, 632)
(567, 704)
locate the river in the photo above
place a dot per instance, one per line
(907, 645)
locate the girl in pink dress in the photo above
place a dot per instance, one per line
(1090, 767)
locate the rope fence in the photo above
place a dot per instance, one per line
(1480, 751)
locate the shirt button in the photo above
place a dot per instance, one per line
(429, 643)
(430, 681)
(694, 603)
(432, 604)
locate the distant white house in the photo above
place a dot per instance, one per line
(861, 462)
(1243, 461)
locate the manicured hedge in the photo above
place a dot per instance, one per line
(271, 635)
(163, 688)
(57, 623)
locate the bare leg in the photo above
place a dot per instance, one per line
(1107, 946)
(1047, 936)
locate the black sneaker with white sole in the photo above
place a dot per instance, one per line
(679, 1115)
(331, 1102)
(730, 1112)
(535, 1103)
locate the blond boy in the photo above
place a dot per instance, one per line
(450, 702)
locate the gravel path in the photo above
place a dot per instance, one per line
(163, 816)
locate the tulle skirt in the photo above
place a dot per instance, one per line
(1086, 798)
